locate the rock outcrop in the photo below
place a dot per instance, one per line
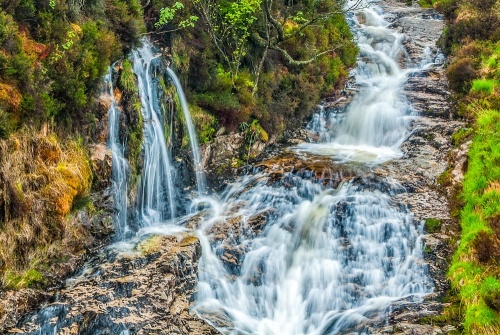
(145, 291)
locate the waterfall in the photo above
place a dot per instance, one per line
(376, 121)
(281, 253)
(156, 194)
(374, 118)
(200, 176)
(120, 166)
(325, 261)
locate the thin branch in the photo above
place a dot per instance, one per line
(279, 27)
(263, 59)
(301, 62)
(161, 32)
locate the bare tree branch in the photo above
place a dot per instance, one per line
(278, 26)
(301, 62)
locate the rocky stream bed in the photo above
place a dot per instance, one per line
(150, 288)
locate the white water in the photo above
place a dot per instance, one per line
(120, 167)
(200, 175)
(376, 122)
(327, 261)
(156, 194)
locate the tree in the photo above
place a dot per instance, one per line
(272, 25)
(286, 20)
(229, 25)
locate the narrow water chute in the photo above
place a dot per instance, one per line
(193, 140)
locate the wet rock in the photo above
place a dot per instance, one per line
(100, 157)
(425, 159)
(319, 168)
(219, 159)
(459, 157)
(13, 304)
(147, 291)
(101, 132)
(427, 90)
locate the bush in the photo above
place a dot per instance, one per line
(461, 73)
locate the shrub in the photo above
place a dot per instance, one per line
(40, 180)
(461, 73)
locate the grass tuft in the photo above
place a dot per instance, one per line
(485, 86)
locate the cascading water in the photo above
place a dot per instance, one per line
(376, 121)
(156, 194)
(327, 261)
(200, 175)
(293, 254)
(120, 166)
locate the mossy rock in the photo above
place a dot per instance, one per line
(432, 225)
(150, 245)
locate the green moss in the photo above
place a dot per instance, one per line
(127, 78)
(25, 279)
(82, 202)
(150, 245)
(204, 122)
(461, 136)
(444, 179)
(432, 225)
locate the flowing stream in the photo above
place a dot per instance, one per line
(294, 254)
(376, 122)
(326, 260)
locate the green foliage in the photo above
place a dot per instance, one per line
(167, 14)
(472, 36)
(204, 122)
(26, 279)
(432, 225)
(426, 3)
(57, 60)
(485, 86)
(223, 73)
(482, 201)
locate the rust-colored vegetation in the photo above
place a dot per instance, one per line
(40, 180)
